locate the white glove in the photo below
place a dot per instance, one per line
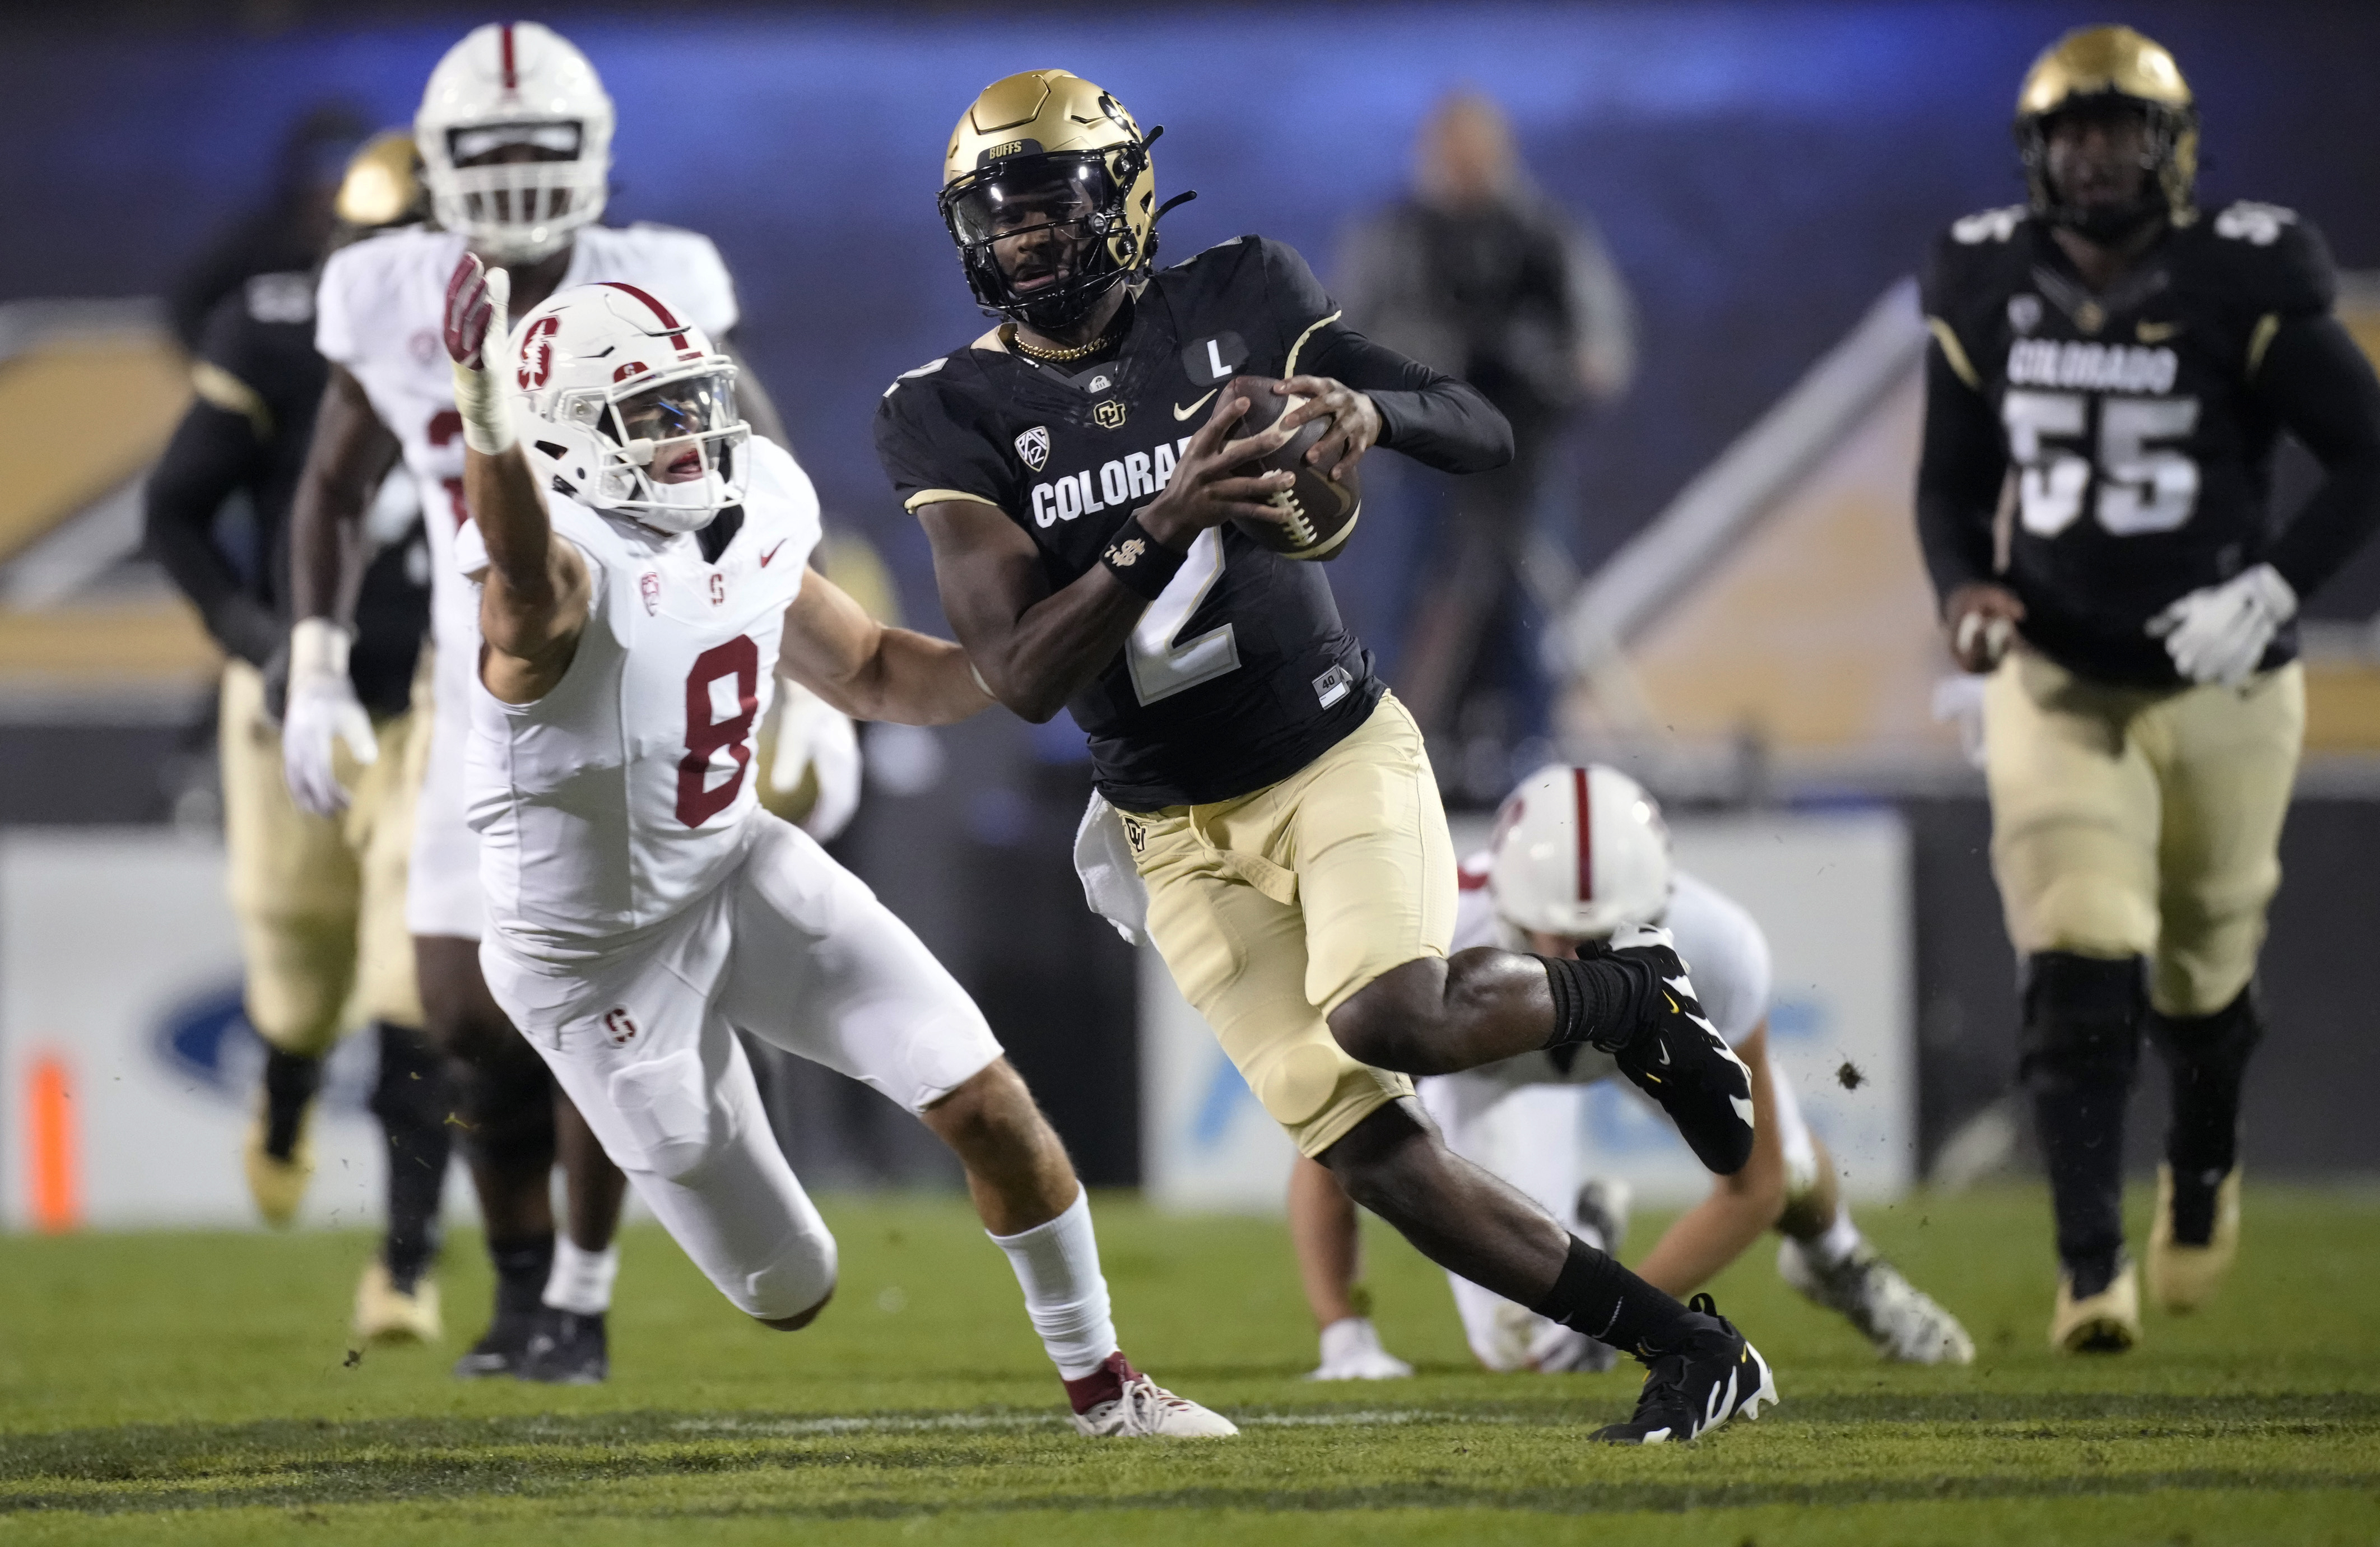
(324, 711)
(2219, 633)
(807, 734)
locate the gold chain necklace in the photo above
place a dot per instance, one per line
(1055, 357)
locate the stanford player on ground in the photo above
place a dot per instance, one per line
(645, 568)
(1579, 853)
(514, 131)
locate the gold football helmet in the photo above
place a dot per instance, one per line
(382, 184)
(2111, 65)
(1046, 150)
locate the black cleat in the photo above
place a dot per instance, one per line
(1677, 1056)
(1711, 1375)
(566, 1349)
(501, 1348)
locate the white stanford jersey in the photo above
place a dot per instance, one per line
(1725, 952)
(378, 313)
(620, 797)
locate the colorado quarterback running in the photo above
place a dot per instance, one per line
(2111, 369)
(1076, 471)
(1579, 853)
(643, 566)
(514, 131)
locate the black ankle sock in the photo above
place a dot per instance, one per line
(2207, 1058)
(1594, 1295)
(1598, 1000)
(2193, 1206)
(411, 1103)
(290, 1082)
(523, 1264)
(2080, 1124)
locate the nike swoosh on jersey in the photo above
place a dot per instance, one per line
(771, 553)
(1181, 412)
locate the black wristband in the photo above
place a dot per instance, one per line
(1141, 564)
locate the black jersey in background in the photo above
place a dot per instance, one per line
(2124, 440)
(1242, 672)
(258, 384)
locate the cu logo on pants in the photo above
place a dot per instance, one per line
(618, 1027)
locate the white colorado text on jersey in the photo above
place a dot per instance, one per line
(620, 797)
(377, 313)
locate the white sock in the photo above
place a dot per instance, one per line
(581, 1280)
(1835, 1244)
(1058, 1267)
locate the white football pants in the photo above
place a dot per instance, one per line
(793, 949)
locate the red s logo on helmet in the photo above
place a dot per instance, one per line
(536, 351)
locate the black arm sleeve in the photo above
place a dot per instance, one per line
(1432, 417)
(211, 453)
(1434, 420)
(2322, 387)
(1959, 471)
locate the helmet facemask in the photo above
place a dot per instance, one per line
(1043, 237)
(672, 454)
(2168, 145)
(517, 189)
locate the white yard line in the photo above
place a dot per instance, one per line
(898, 1423)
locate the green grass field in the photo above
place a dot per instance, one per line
(196, 1388)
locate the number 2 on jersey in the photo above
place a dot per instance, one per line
(1161, 667)
(2141, 488)
(707, 733)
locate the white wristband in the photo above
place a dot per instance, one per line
(487, 418)
(319, 648)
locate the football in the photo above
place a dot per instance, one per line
(1318, 514)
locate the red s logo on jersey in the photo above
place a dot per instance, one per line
(537, 352)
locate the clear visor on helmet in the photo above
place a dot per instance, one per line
(1034, 195)
(674, 430)
(672, 454)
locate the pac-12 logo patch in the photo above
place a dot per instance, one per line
(1034, 446)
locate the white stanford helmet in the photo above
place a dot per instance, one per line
(511, 84)
(613, 392)
(1579, 852)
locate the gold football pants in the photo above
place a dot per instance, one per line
(2134, 822)
(1274, 908)
(320, 901)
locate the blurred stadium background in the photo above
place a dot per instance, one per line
(1726, 581)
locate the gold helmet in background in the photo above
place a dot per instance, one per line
(2112, 65)
(382, 184)
(1047, 148)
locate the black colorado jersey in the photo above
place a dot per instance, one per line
(2132, 428)
(259, 383)
(1242, 672)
